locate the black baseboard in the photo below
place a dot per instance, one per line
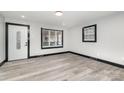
(2, 63)
(100, 60)
(49, 54)
(79, 54)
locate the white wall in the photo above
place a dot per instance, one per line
(36, 40)
(110, 39)
(35, 37)
(2, 40)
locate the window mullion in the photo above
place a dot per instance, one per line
(49, 39)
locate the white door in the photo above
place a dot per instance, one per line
(17, 42)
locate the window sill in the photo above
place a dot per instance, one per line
(51, 47)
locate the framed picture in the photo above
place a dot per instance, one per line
(89, 33)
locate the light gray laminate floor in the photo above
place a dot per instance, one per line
(61, 67)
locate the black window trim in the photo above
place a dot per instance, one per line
(51, 47)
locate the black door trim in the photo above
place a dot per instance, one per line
(6, 35)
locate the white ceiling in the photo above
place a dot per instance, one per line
(69, 18)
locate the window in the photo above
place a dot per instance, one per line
(51, 38)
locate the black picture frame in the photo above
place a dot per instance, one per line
(89, 33)
(51, 47)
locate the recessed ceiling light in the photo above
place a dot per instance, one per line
(58, 13)
(23, 16)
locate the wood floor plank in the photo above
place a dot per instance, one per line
(61, 67)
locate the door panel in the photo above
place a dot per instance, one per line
(17, 42)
